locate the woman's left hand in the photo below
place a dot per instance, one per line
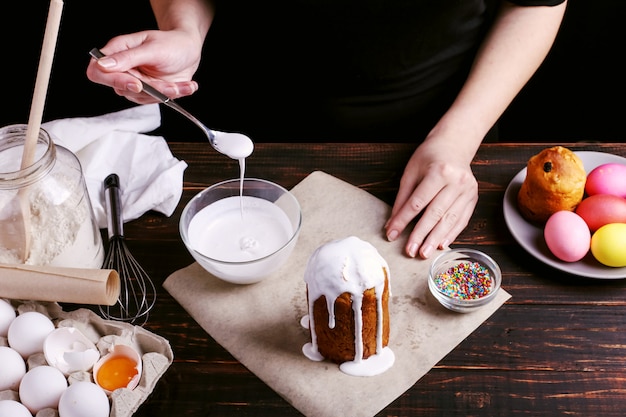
(440, 190)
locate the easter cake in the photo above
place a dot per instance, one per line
(347, 284)
(555, 181)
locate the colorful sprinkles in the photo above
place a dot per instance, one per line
(465, 281)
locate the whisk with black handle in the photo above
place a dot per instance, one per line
(137, 291)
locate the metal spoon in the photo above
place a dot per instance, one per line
(233, 145)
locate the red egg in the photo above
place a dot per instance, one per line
(609, 178)
(600, 209)
(567, 236)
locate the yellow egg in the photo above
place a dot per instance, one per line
(608, 244)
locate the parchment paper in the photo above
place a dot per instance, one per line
(59, 284)
(259, 324)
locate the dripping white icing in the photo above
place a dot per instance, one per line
(348, 265)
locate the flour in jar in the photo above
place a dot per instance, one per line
(63, 234)
(239, 228)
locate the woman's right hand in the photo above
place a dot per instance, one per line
(167, 60)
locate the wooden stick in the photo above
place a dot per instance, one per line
(36, 111)
(41, 83)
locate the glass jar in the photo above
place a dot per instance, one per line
(46, 217)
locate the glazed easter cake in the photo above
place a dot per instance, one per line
(348, 287)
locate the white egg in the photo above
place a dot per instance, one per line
(7, 315)
(84, 399)
(12, 368)
(69, 350)
(28, 331)
(42, 387)
(10, 408)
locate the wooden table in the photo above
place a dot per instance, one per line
(556, 348)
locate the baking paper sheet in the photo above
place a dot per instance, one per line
(259, 324)
(64, 285)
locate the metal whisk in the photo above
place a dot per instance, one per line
(137, 291)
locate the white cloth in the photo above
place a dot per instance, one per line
(151, 178)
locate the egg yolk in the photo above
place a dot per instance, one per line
(116, 373)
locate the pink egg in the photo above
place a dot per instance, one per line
(609, 178)
(567, 236)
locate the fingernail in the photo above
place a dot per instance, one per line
(427, 250)
(413, 250)
(392, 235)
(135, 88)
(107, 62)
(444, 244)
(186, 90)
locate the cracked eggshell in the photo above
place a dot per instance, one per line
(117, 351)
(69, 350)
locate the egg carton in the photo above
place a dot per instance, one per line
(156, 353)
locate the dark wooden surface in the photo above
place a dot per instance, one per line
(556, 348)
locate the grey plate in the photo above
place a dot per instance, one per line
(530, 236)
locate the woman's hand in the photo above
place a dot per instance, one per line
(439, 188)
(165, 59)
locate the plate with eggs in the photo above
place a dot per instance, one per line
(561, 239)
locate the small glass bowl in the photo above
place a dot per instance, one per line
(463, 279)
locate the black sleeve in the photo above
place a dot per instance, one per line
(536, 2)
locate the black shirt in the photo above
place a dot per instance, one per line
(340, 69)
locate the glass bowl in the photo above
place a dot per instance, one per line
(241, 238)
(464, 280)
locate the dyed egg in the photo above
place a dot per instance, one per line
(607, 178)
(600, 209)
(608, 244)
(567, 236)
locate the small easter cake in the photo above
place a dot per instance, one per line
(347, 284)
(555, 181)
